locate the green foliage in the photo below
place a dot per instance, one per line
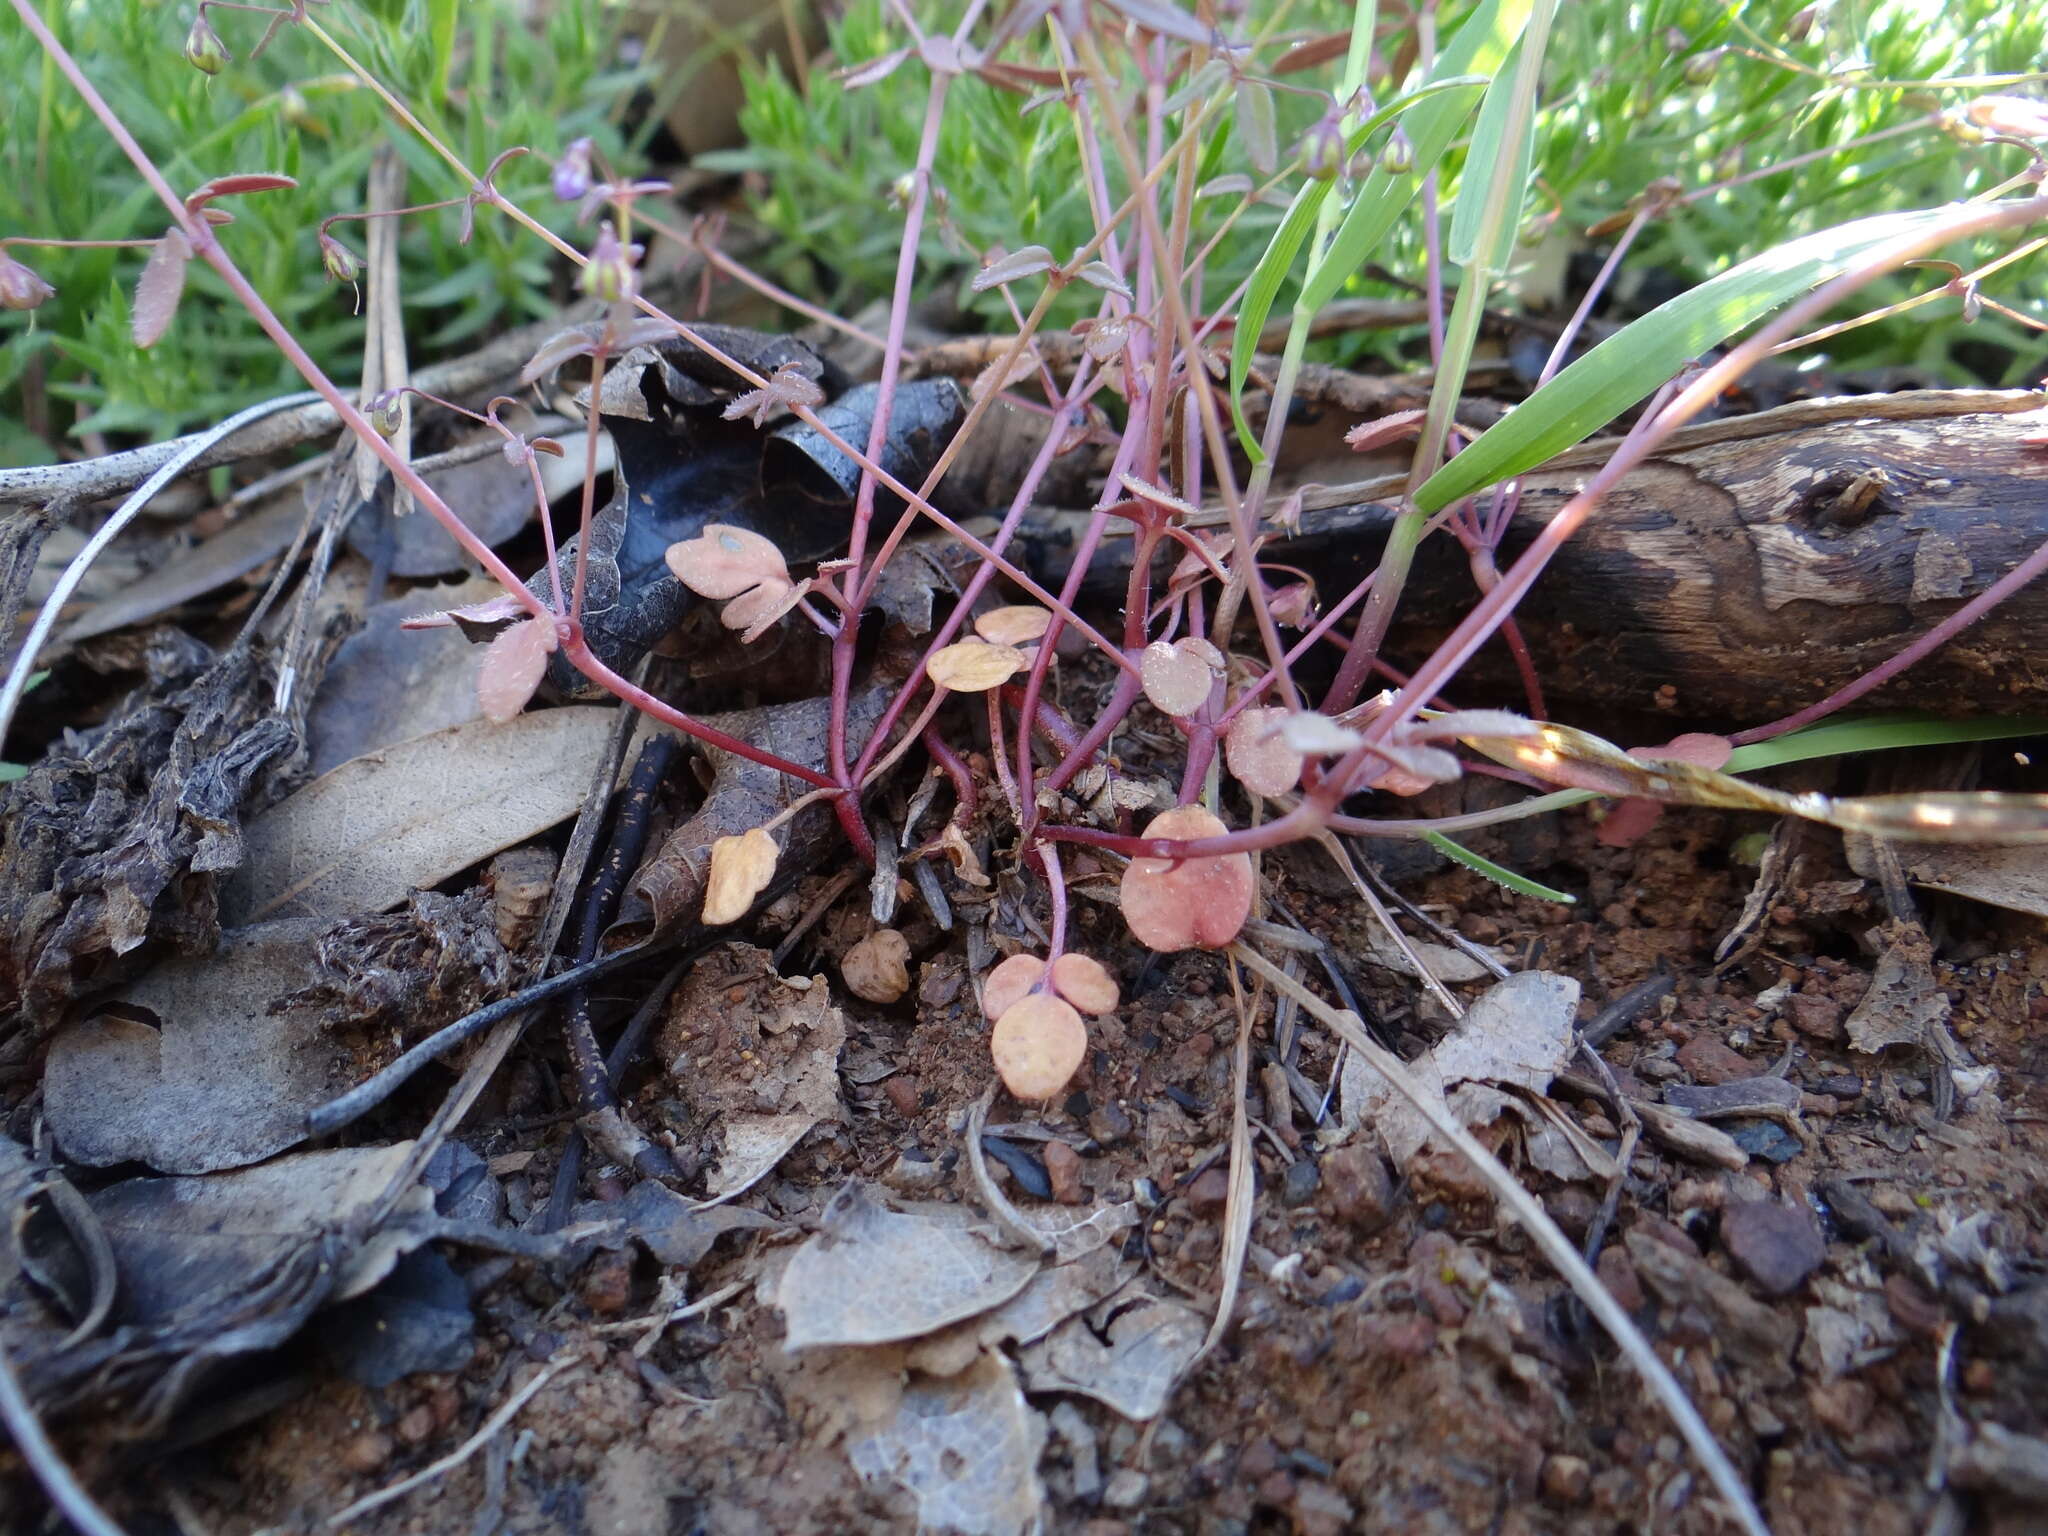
(487, 83)
(1005, 177)
(1631, 94)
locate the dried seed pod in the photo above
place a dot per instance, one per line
(878, 967)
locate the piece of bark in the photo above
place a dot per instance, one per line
(1752, 566)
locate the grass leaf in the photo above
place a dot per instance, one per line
(1633, 363)
(1500, 874)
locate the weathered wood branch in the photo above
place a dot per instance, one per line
(1754, 565)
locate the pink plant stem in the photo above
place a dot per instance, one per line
(965, 798)
(1488, 613)
(208, 248)
(1120, 702)
(976, 585)
(1056, 944)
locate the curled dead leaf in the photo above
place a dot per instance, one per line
(974, 666)
(878, 967)
(1172, 904)
(1037, 1045)
(741, 868)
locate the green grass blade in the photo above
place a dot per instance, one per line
(1878, 733)
(1633, 363)
(1500, 874)
(1278, 261)
(1489, 134)
(1479, 49)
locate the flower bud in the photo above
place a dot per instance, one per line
(293, 107)
(386, 412)
(204, 50)
(342, 264)
(19, 287)
(608, 275)
(1322, 150)
(1701, 68)
(1398, 158)
(572, 171)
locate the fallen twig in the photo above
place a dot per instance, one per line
(43, 1460)
(462, 1452)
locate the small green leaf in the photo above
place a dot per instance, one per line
(1488, 134)
(1878, 733)
(1634, 362)
(1501, 875)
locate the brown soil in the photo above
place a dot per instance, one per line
(1404, 1364)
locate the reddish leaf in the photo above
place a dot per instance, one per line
(1174, 904)
(159, 288)
(512, 668)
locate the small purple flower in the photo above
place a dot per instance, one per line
(572, 171)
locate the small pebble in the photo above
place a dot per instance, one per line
(1776, 1244)
(416, 1427)
(1125, 1489)
(1566, 1478)
(1298, 1185)
(1765, 1139)
(1108, 1124)
(1708, 1058)
(902, 1092)
(1361, 1188)
(366, 1452)
(608, 1283)
(1063, 1171)
(1209, 1193)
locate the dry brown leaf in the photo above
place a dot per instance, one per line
(218, 1079)
(966, 1446)
(878, 967)
(2014, 878)
(746, 794)
(1518, 1033)
(1124, 1354)
(364, 836)
(871, 1275)
(741, 868)
(974, 666)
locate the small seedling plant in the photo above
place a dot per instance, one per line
(1185, 137)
